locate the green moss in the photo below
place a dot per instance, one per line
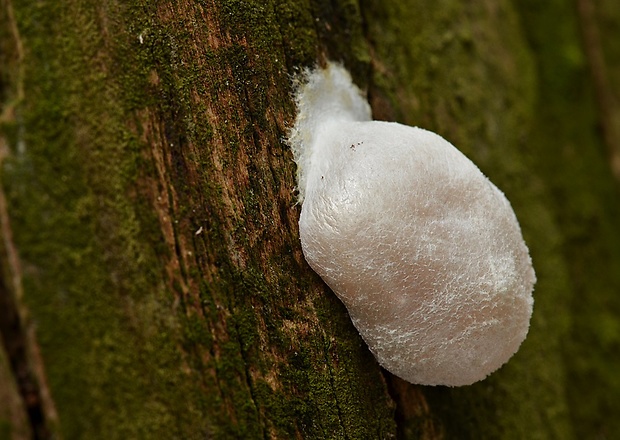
(586, 209)
(298, 36)
(90, 276)
(5, 430)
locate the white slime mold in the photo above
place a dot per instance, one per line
(424, 251)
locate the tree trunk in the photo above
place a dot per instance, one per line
(152, 282)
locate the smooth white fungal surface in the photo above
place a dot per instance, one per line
(424, 251)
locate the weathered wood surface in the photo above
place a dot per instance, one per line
(149, 222)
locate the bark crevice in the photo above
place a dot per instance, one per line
(16, 337)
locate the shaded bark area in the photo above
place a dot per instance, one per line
(585, 203)
(14, 422)
(23, 390)
(152, 204)
(606, 96)
(13, 338)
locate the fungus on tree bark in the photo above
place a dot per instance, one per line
(424, 251)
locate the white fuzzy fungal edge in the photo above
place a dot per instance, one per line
(323, 97)
(424, 251)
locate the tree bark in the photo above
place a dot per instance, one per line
(150, 257)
